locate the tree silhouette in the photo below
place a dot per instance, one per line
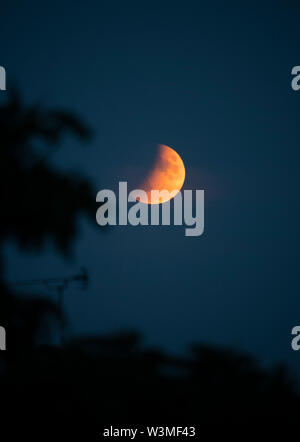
(37, 201)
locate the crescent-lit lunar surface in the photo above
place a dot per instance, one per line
(168, 174)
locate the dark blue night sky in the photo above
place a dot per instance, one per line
(212, 80)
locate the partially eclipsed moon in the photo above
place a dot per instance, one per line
(168, 174)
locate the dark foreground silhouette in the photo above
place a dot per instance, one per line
(95, 382)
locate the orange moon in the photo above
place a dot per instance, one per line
(168, 174)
